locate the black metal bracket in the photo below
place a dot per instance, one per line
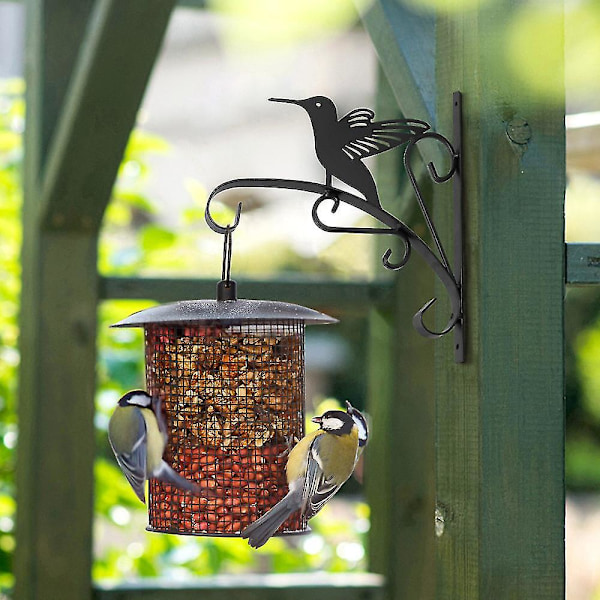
(341, 146)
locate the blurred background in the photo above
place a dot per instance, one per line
(205, 119)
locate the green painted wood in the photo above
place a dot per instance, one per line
(50, 505)
(583, 264)
(199, 4)
(108, 83)
(56, 410)
(405, 43)
(354, 297)
(60, 283)
(325, 586)
(399, 470)
(500, 416)
(51, 51)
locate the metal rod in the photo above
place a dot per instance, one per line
(457, 187)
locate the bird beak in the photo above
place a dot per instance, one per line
(317, 420)
(286, 100)
(349, 407)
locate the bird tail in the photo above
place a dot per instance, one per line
(261, 530)
(168, 475)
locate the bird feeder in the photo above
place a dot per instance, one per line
(230, 374)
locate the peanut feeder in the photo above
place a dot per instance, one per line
(230, 374)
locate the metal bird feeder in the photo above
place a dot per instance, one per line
(230, 374)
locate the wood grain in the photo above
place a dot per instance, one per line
(500, 417)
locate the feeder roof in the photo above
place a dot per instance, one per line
(232, 312)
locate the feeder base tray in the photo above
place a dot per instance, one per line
(223, 535)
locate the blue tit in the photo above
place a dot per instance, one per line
(316, 469)
(137, 433)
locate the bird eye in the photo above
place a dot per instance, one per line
(318, 104)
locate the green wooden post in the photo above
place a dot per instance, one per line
(74, 142)
(500, 416)
(48, 556)
(400, 470)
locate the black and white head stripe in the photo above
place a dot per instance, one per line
(336, 421)
(361, 423)
(136, 398)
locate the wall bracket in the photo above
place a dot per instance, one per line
(340, 146)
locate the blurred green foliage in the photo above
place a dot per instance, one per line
(134, 242)
(11, 127)
(582, 345)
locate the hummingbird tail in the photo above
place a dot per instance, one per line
(262, 529)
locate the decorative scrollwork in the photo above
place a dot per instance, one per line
(376, 137)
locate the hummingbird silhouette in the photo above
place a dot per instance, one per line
(342, 145)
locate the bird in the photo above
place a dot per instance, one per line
(317, 467)
(137, 434)
(342, 145)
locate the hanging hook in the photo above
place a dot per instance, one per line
(453, 159)
(396, 266)
(227, 244)
(208, 217)
(226, 288)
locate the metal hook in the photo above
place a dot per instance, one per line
(211, 222)
(227, 247)
(442, 178)
(420, 326)
(396, 266)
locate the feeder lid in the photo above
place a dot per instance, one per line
(231, 312)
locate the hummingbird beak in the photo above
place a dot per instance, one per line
(286, 100)
(317, 420)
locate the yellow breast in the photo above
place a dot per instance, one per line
(155, 443)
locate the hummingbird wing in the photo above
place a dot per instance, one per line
(317, 488)
(362, 137)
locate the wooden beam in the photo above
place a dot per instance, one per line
(405, 43)
(400, 456)
(500, 416)
(51, 51)
(339, 297)
(105, 93)
(326, 586)
(54, 33)
(59, 265)
(583, 264)
(56, 412)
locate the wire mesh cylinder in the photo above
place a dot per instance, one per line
(233, 397)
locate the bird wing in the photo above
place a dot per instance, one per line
(133, 464)
(317, 489)
(160, 416)
(362, 137)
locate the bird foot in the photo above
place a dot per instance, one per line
(290, 442)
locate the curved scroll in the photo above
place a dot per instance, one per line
(393, 227)
(374, 230)
(437, 178)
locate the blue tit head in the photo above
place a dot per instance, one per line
(337, 422)
(136, 398)
(361, 423)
